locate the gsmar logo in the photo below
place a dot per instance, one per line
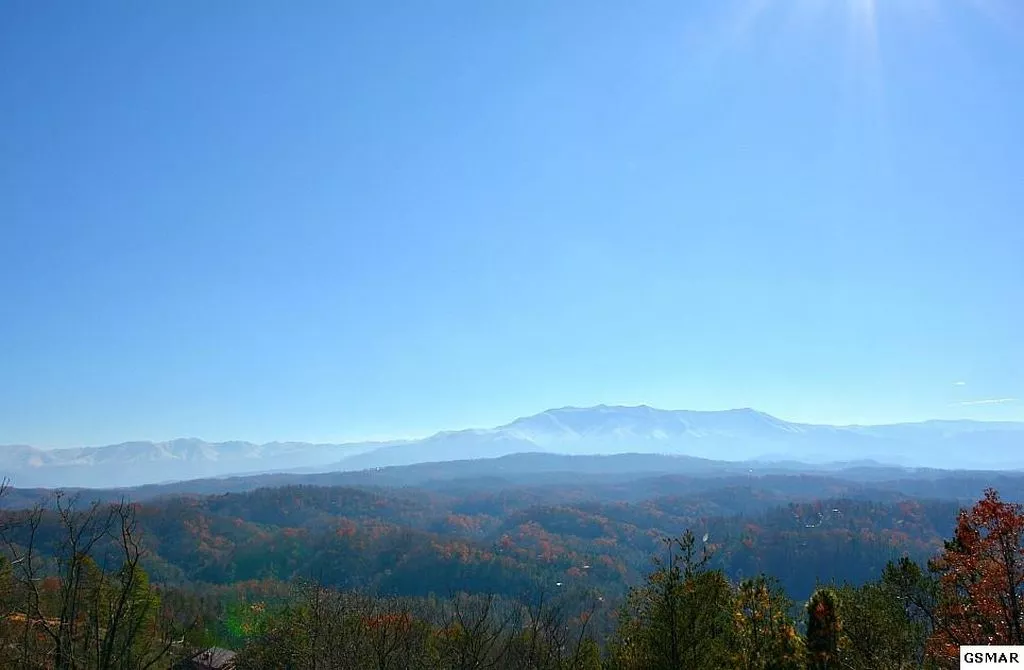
(984, 657)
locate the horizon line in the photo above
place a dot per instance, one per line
(377, 440)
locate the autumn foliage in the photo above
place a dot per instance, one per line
(374, 568)
(824, 630)
(981, 579)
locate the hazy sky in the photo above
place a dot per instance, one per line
(334, 220)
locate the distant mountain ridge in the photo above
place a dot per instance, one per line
(736, 435)
(731, 435)
(132, 463)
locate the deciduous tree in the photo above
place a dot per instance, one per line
(981, 578)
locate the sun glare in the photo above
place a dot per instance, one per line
(864, 18)
(863, 28)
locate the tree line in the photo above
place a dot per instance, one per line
(687, 614)
(74, 594)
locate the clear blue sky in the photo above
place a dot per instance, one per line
(335, 220)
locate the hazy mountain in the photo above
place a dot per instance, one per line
(733, 435)
(133, 463)
(736, 435)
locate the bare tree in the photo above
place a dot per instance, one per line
(89, 616)
(478, 632)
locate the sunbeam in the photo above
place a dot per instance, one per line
(861, 24)
(864, 18)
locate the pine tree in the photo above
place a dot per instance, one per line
(681, 616)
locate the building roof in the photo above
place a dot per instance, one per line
(213, 658)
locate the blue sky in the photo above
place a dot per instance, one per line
(333, 220)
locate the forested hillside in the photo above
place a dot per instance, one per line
(127, 583)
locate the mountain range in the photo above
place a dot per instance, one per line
(731, 435)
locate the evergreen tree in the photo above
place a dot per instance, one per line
(681, 616)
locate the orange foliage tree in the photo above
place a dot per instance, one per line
(981, 579)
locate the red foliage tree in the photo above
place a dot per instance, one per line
(981, 579)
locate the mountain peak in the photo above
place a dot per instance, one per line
(647, 410)
(734, 435)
